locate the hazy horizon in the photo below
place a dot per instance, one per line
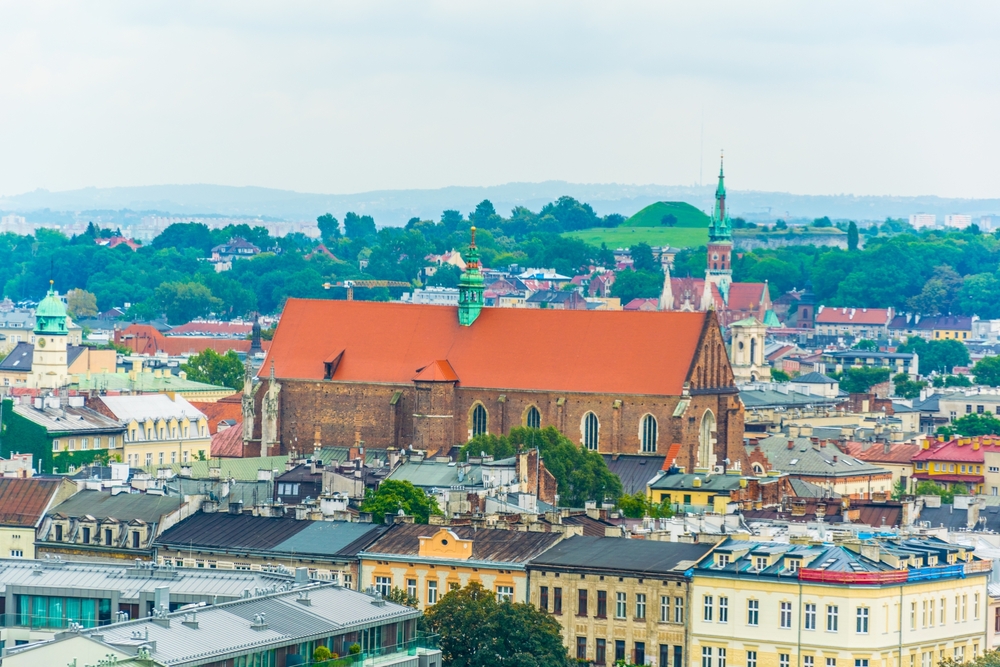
(814, 99)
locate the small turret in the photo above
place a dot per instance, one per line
(470, 287)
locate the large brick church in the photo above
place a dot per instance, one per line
(431, 377)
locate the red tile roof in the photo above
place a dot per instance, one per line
(223, 328)
(228, 443)
(145, 339)
(747, 296)
(228, 408)
(561, 350)
(959, 450)
(439, 371)
(898, 452)
(24, 501)
(642, 304)
(877, 316)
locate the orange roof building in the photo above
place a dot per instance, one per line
(402, 375)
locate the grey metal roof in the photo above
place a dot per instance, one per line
(814, 378)
(432, 474)
(76, 421)
(124, 506)
(643, 557)
(634, 471)
(805, 459)
(767, 398)
(686, 482)
(225, 630)
(19, 359)
(130, 581)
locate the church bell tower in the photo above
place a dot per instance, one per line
(49, 368)
(470, 287)
(720, 242)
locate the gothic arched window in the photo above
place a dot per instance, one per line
(534, 418)
(479, 420)
(649, 433)
(591, 430)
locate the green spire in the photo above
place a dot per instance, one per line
(50, 316)
(721, 227)
(470, 287)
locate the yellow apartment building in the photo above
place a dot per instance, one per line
(160, 429)
(872, 603)
(617, 599)
(428, 561)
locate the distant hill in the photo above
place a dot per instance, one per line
(395, 207)
(684, 214)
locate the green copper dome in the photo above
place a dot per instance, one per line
(50, 316)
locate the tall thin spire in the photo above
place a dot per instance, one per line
(720, 228)
(470, 286)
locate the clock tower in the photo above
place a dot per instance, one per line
(48, 360)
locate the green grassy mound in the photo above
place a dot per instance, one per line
(684, 215)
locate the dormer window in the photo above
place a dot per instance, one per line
(760, 563)
(792, 565)
(722, 560)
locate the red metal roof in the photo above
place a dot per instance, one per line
(959, 450)
(746, 296)
(228, 443)
(876, 316)
(23, 501)
(898, 452)
(227, 328)
(439, 371)
(569, 350)
(227, 408)
(959, 478)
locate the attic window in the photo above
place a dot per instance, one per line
(330, 364)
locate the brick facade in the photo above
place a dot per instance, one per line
(434, 416)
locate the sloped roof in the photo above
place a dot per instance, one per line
(870, 316)
(558, 349)
(146, 339)
(615, 554)
(899, 453)
(124, 506)
(439, 371)
(686, 482)
(814, 378)
(77, 421)
(488, 544)
(228, 442)
(150, 406)
(634, 471)
(280, 535)
(212, 328)
(243, 469)
(746, 296)
(959, 450)
(430, 474)
(804, 459)
(19, 358)
(23, 501)
(640, 303)
(228, 408)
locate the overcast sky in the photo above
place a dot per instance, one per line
(805, 97)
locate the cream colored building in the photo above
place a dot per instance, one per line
(618, 599)
(886, 603)
(24, 502)
(160, 429)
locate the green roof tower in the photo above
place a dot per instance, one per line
(470, 287)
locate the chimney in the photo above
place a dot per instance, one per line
(791, 444)
(834, 458)
(886, 447)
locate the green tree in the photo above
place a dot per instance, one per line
(780, 376)
(669, 220)
(81, 304)
(905, 387)
(861, 380)
(973, 425)
(642, 258)
(852, 236)
(939, 293)
(939, 356)
(637, 506)
(399, 596)
(321, 654)
(929, 488)
(977, 296)
(987, 371)
(184, 301)
(865, 344)
(394, 495)
(822, 222)
(329, 228)
(580, 474)
(476, 630)
(225, 370)
(989, 658)
(358, 226)
(637, 285)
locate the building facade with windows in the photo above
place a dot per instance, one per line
(428, 561)
(872, 603)
(427, 377)
(59, 433)
(960, 462)
(618, 599)
(160, 429)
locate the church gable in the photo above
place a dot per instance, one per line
(710, 369)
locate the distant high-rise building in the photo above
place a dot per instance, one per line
(920, 220)
(957, 221)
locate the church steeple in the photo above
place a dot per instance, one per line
(721, 228)
(470, 286)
